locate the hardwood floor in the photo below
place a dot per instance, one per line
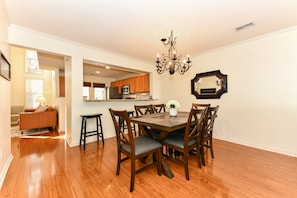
(44, 166)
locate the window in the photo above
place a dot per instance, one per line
(99, 91)
(32, 63)
(86, 93)
(34, 89)
(86, 90)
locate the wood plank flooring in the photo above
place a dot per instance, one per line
(44, 166)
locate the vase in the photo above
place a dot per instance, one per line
(173, 112)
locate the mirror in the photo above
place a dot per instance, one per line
(208, 85)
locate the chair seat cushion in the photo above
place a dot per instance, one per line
(142, 145)
(177, 140)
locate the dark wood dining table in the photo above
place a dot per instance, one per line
(164, 123)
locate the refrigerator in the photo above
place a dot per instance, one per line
(112, 93)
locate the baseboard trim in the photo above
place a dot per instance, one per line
(258, 146)
(5, 169)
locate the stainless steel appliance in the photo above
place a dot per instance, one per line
(112, 93)
(125, 89)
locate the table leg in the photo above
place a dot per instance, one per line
(166, 169)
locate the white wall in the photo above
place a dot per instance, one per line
(260, 108)
(5, 142)
(75, 106)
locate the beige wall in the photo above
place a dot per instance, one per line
(19, 77)
(260, 107)
(75, 106)
(5, 143)
(258, 110)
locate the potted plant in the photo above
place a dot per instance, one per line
(173, 106)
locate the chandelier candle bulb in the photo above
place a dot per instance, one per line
(174, 55)
(188, 59)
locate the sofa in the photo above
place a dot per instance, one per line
(42, 117)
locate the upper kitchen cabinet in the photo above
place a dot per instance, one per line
(132, 85)
(138, 84)
(142, 83)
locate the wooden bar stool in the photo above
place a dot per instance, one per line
(84, 133)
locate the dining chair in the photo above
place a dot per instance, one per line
(124, 124)
(206, 139)
(200, 106)
(185, 142)
(134, 148)
(143, 109)
(158, 108)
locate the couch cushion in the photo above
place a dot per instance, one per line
(41, 108)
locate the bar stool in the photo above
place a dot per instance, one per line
(84, 133)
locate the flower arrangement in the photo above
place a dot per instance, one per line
(172, 104)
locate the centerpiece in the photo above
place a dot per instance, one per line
(173, 105)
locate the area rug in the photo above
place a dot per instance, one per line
(15, 132)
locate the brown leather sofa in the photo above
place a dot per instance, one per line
(33, 118)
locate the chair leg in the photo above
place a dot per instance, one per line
(159, 165)
(118, 163)
(186, 166)
(211, 148)
(132, 175)
(202, 154)
(198, 155)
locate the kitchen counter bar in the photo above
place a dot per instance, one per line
(120, 100)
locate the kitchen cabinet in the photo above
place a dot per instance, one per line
(142, 83)
(132, 84)
(138, 84)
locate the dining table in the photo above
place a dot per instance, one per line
(164, 124)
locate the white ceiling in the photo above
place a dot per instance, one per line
(134, 27)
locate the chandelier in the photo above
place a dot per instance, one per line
(171, 62)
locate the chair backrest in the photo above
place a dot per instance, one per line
(118, 117)
(194, 126)
(158, 108)
(200, 106)
(212, 114)
(143, 109)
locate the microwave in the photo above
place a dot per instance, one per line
(125, 89)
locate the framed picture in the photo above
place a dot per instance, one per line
(4, 67)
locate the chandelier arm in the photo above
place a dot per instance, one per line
(160, 67)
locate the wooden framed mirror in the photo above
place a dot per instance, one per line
(209, 85)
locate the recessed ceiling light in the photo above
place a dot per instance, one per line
(107, 67)
(97, 72)
(248, 25)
